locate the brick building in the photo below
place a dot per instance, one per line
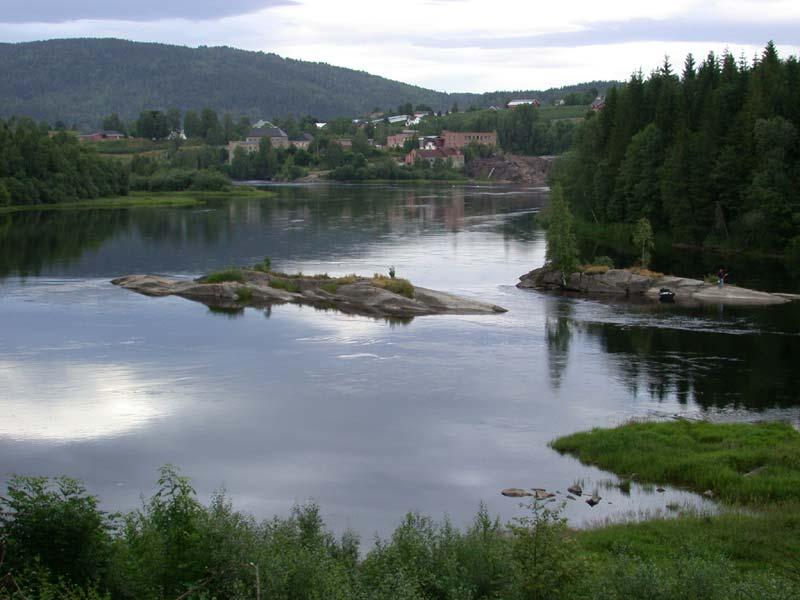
(460, 139)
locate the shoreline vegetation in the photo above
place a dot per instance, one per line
(175, 546)
(145, 199)
(751, 469)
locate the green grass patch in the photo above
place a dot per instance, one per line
(331, 288)
(224, 275)
(396, 286)
(284, 284)
(740, 463)
(143, 200)
(555, 113)
(749, 540)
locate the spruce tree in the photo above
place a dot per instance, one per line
(562, 247)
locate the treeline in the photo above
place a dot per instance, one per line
(709, 156)
(521, 130)
(36, 168)
(56, 543)
(200, 125)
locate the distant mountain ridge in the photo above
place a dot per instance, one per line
(83, 80)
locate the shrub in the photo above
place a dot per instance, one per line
(331, 288)
(209, 180)
(402, 287)
(55, 524)
(230, 274)
(264, 266)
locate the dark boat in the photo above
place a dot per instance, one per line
(666, 295)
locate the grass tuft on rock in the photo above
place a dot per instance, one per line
(224, 275)
(402, 287)
(284, 284)
(739, 462)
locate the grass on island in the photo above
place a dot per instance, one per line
(738, 462)
(231, 274)
(284, 284)
(399, 286)
(143, 199)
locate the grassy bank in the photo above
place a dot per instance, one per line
(143, 199)
(753, 469)
(740, 462)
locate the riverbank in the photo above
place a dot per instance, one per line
(144, 199)
(752, 470)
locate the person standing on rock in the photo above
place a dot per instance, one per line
(721, 277)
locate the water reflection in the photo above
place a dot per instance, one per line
(558, 333)
(77, 402)
(304, 223)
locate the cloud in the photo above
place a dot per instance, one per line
(61, 11)
(636, 30)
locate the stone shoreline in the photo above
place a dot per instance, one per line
(624, 283)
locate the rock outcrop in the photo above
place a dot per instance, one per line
(513, 168)
(357, 295)
(624, 283)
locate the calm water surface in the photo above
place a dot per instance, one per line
(368, 418)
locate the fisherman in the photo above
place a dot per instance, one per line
(721, 277)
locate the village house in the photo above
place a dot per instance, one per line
(399, 139)
(101, 136)
(524, 102)
(447, 155)
(460, 139)
(598, 104)
(275, 135)
(302, 142)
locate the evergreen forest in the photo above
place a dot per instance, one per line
(710, 155)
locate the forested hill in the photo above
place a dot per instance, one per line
(710, 154)
(83, 80)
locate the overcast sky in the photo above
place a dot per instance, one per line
(451, 45)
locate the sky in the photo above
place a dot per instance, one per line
(448, 45)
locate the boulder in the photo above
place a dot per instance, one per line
(575, 489)
(515, 493)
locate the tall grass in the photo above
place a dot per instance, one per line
(402, 287)
(230, 274)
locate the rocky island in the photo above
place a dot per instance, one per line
(648, 285)
(377, 296)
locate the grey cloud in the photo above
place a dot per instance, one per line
(60, 11)
(637, 30)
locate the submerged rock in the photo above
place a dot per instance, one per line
(625, 283)
(594, 500)
(575, 489)
(353, 295)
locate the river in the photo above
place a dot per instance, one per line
(368, 418)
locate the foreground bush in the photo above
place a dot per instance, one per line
(175, 547)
